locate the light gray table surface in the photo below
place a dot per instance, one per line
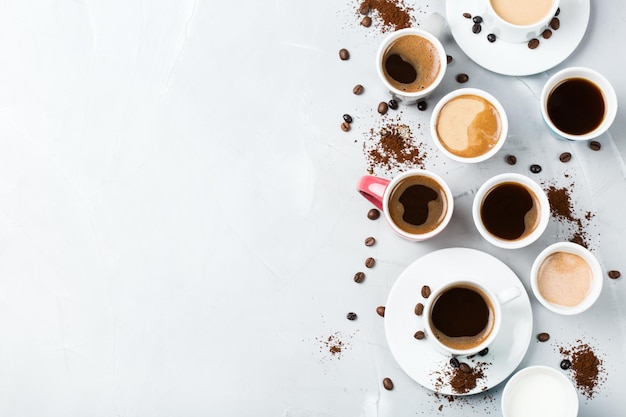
(179, 225)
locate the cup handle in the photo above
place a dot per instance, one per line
(509, 294)
(434, 24)
(373, 188)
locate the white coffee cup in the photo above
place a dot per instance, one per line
(518, 21)
(461, 139)
(519, 226)
(566, 278)
(596, 79)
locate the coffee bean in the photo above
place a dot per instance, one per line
(555, 23)
(594, 145)
(484, 351)
(370, 241)
(449, 59)
(370, 262)
(351, 316)
(366, 21)
(422, 105)
(491, 38)
(462, 78)
(546, 34)
(535, 169)
(425, 291)
(364, 8)
(382, 107)
(476, 28)
(565, 364)
(511, 159)
(533, 43)
(477, 19)
(393, 105)
(454, 362)
(543, 337)
(614, 274)
(373, 214)
(419, 335)
(388, 384)
(419, 309)
(359, 277)
(465, 368)
(344, 55)
(558, 11)
(380, 310)
(345, 126)
(358, 89)
(565, 157)
(467, 15)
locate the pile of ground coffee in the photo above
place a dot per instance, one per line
(393, 14)
(460, 379)
(561, 209)
(393, 148)
(586, 367)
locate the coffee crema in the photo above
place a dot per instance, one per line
(418, 204)
(564, 279)
(576, 106)
(468, 126)
(462, 317)
(510, 211)
(411, 63)
(522, 12)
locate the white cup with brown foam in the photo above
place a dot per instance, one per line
(519, 20)
(566, 278)
(469, 125)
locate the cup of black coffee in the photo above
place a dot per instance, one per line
(463, 317)
(417, 204)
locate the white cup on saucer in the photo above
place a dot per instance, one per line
(519, 21)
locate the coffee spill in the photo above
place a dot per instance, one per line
(504, 210)
(400, 70)
(415, 201)
(460, 312)
(576, 106)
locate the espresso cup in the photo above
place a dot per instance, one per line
(463, 317)
(418, 204)
(578, 104)
(510, 211)
(519, 20)
(411, 62)
(469, 125)
(566, 278)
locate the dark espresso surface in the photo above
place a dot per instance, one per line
(509, 211)
(418, 204)
(460, 312)
(576, 106)
(400, 70)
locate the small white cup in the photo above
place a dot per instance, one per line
(538, 195)
(608, 94)
(494, 301)
(489, 149)
(595, 285)
(514, 30)
(539, 391)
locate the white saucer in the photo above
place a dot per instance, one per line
(517, 58)
(419, 358)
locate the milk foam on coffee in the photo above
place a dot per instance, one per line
(539, 395)
(469, 126)
(522, 12)
(411, 63)
(564, 279)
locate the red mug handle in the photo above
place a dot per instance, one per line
(373, 188)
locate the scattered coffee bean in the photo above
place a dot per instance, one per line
(484, 351)
(351, 316)
(477, 19)
(380, 310)
(462, 78)
(364, 8)
(558, 11)
(449, 59)
(565, 364)
(388, 384)
(344, 55)
(347, 118)
(419, 335)
(614, 274)
(535, 169)
(419, 309)
(467, 15)
(565, 157)
(425, 291)
(370, 262)
(382, 107)
(546, 34)
(373, 214)
(594, 145)
(454, 362)
(491, 38)
(555, 23)
(366, 21)
(543, 337)
(345, 126)
(393, 105)
(422, 105)
(476, 28)
(511, 159)
(358, 89)
(359, 277)
(533, 43)
(465, 368)
(369, 241)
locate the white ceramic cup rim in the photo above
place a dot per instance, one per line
(477, 92)
(596, 273)
(411, 95)
(608, 93)
(544, 212)
(418, 237)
